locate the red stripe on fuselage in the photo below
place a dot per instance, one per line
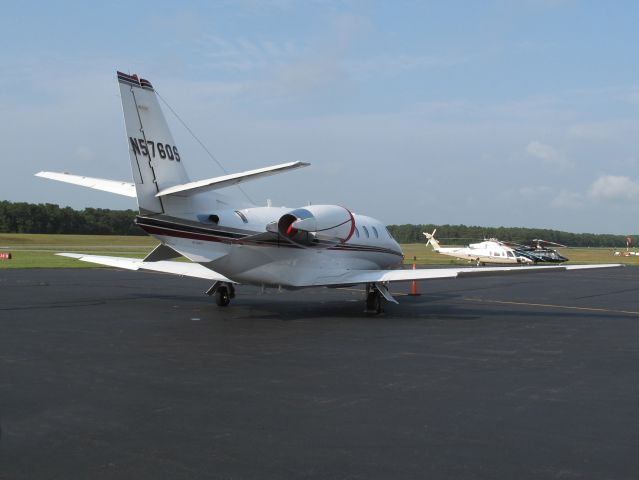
(350, 234)
(169, 232)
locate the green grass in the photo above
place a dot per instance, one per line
(35, 259)
(43, 241)
(38, 251)
(426, 255)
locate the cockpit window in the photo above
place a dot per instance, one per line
(356, 232)
(366, 231)
(242, 216)
(510, 254)
(388, 233)
(375, 232)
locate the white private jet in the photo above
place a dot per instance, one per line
(488, 251)
(231, 242)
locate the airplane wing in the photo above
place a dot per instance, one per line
(186, 269)
(228, 180)
(381, 276)
(121, 188)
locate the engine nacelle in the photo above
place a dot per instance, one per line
(317, 225)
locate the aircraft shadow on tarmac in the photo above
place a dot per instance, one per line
(446, 306)
(288, 306)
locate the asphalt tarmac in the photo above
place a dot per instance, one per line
(109, 374)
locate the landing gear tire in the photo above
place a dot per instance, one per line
(222, 296)
(479, 262)
(374, 302)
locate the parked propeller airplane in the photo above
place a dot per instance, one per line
(231, 242)
(488, 251)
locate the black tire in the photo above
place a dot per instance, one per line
(222, 298)
(374, 302)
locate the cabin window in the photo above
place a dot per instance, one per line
(242, 216)
(366, 231)
(375, 232)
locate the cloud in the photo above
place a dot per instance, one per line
(614, 188)
(629, 95)
(276, 69)
(398, 63)
(567, 199)
(240, 55)
(534, 191)
(590, 131)
(548, 155)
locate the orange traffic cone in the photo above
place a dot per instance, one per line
(413, 289)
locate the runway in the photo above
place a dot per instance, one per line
(109, 374)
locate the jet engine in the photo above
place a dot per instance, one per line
(317, 225)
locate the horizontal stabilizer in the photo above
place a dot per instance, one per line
(186, 269)
(121, 188)
(215, 183)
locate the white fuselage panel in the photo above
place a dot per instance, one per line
(252, 254)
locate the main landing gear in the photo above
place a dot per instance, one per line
(223, 292)
(376, 293)
(373, 301)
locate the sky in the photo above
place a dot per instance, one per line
(492, 113)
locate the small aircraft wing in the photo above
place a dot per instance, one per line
(215, 183)
(380, 276)
(121, 188)
(186, 269)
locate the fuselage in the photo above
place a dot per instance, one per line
(240, 244)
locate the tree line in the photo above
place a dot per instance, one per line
(463, 235)
(50, 218)
(23, 217)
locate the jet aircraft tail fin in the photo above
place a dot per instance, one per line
(160, 182)
(156, 163)
(431, 240)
